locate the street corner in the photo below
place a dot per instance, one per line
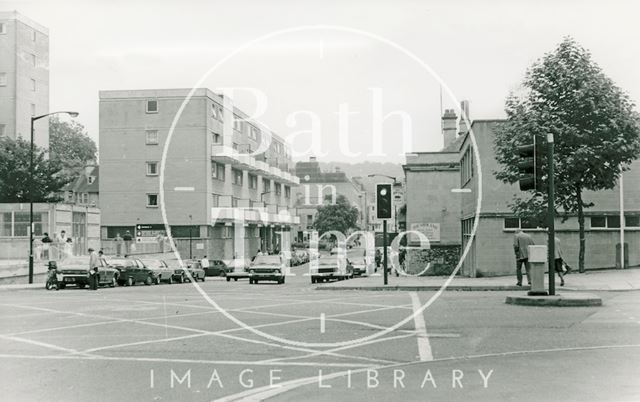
(569, 299)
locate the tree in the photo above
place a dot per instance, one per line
(70, 145)
(48, 179)
(341, 216)
(596, 132)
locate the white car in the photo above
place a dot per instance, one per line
(238, 268)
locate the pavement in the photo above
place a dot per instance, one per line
(596, 280)
(290, 342)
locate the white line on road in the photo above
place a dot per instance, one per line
(424, 348)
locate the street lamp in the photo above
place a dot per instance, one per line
(190, 237)
(33, 119)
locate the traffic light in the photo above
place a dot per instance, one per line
(530, 166)
(384, 201)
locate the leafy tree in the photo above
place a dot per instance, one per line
(596, 132)
(341, 216)
(70, 145)
(48, 179)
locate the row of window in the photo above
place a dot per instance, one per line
(597, 222)
(218, 169)
(466, 166)
(3, 31)
(16, 224)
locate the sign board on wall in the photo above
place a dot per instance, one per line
(431, 230)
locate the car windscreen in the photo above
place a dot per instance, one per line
(267, 260)
(328, 260)
(119, 261)
(153, 263)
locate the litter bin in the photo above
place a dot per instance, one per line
(538, 265)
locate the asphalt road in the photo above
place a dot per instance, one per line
(290, 342)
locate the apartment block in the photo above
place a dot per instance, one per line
(217, 190)
(24, 77)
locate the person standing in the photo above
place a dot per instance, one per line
(119, 242)
(558, 260)
(160, 241)
(46, 244)
(204, 262)
(68, 248)
(127, 242)
(94, 263)
(521, 243)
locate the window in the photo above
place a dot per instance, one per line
(91, 179)
(253, 132)
(3, 28)
(152, 168)
(152, 200)
(217, 171)
(216, 138)
(226, 232)
(517, 223)
(2, 129)
(266, 185)
(152, 106)
(598, 222)
(632, 221)
(151, 137)
(33, 109)
(32, 59)
(278, 189)
(237, 123)
(287, 191)
(3, 79)
(16, 224)
(253, 182)
(237, 177)
(216, 112)
(69, 196)
(235, 146)
(613, 221)
(33, 85)
(85, 198)
(215, 200)
(466, 166)
(34, 36)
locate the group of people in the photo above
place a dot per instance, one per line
(521, 243)
(60, 247)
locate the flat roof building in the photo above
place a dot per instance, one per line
(24, 77)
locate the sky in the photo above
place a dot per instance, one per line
(328, 71)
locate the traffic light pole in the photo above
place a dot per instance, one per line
(551, 216)
(384, 250)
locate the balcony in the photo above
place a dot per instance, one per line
(232, 209)
(244, 161)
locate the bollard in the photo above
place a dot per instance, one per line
(538, 264)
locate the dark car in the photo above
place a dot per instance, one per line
(195, 269)
(75, 271)
(217, 268)
(267, 267)
(160, 269)
(132, 271)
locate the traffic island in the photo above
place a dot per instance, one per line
(559, 300)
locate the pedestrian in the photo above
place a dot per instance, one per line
(68, 247)
(46, 243)
(205, 263)
(59, 241)
(558, 260)
(127, 242)
(94, 263)
(160, 241)
(37, 244)
(119, 242)
(521, 243)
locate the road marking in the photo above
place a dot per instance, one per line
(460, 190)
(424, 348)
(322, 323)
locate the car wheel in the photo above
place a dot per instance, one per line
(62, 285)
(130, 281)
(158, 280)
(235, 279)
(281, 281)
(181, 279)
(82, 285)
(313, 280)
(148, 281)
(121, 283)
(203, 278)
(228, 279)
(250, 281)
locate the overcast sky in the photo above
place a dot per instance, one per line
(480, 49)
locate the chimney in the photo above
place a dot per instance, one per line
(312, 159)
(449, 126)
(464, 111)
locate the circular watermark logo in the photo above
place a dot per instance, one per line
(228, 132)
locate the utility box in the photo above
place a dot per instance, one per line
(538, 265)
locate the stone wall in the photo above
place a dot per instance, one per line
(443, 260)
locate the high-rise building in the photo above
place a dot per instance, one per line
(223, 192)
(24, 77)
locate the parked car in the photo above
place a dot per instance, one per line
(238, 269)
(217, 268)
(267, 267)
(195, 269)
(362, 265)
(328, 267)
(131, 271)
(160, 268)
(75, 271)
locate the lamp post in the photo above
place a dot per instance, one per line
(190, 237)
(33, 119)
(266, 226)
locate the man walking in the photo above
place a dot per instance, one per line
(521, 243)
(94, 263)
